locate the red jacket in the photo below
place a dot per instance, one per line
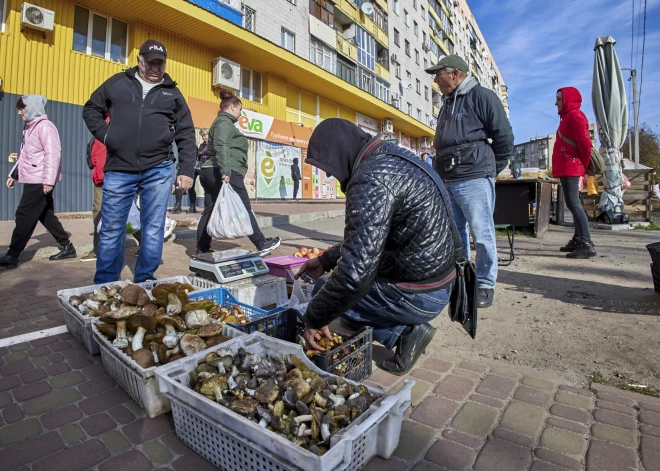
(568, 160)
(98, 161)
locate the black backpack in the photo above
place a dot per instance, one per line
(90, 144)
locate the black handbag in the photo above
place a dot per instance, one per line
(463, 300)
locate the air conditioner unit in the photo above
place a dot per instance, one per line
(226, 74)
(36, 17)
(426, 142)
(394, 58)
(387, 126)
(425, 47)
(433, 123)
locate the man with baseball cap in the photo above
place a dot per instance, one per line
(147, 114)
(473, 143)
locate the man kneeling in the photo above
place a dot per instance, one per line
(395, 268)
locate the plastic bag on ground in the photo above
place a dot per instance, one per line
(229, 219)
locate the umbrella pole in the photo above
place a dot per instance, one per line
(633, 73)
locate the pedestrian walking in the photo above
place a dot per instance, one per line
(395, 268)
(147, 112)
(570, 159)
(202, 156)
(468, 162)
(97, 157)
(295, 176)
(227, 164)
(39, 168)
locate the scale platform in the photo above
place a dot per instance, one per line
(228, 265)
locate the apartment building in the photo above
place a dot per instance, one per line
(537, 152)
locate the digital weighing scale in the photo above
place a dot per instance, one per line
(228, 265)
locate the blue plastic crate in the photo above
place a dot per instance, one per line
(223, 297)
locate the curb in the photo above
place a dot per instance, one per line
(191, 232)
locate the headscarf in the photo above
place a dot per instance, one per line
(571, 100)
(35, 106)
(334, 146)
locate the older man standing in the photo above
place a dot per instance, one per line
(473, 143)
(147, 113)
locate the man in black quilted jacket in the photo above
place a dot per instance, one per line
(395, 268)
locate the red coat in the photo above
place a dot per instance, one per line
(98, 161)
(568, 160)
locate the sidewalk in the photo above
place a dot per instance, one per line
(60, 411)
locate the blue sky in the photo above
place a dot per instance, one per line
(540, 46)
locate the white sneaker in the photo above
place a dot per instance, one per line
(170, 225)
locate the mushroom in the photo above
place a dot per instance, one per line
(143, 357)
(108, 330)
(119, 318)
(175, 351)
(214, 386)
(149, 309)
(174, 305)
(153, 346)
(134, 294)
(216, 340)
(209, 330)
(196, 319)
(191, 344)
(140, 324)
(170, 322)
(76, 301)
(325, 426)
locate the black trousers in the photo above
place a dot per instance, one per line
(296, 187)
(571, 189)
(192, 194)
(35, 207)
(211, 180)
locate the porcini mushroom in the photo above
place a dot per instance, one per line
(191, 344)
(143, 357)
(170, 322)
(140, 324)
(134, 294)
(149, 309)
(196, 319)
(119, 318)
(108, 330)
(174, 305)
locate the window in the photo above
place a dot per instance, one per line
(250, 85)
(397, 70)
(366, 48)
(322, 55)
(249, 18)
(418, 87)
(99, 36)
(345, 71)
(409, 76)
(409, 109)
(293, 2)
(427, 119)
(415, 4)
(426, 93)
(396, 6)
(288, 40)
(426, 64)
(382, 91)
(416, 57)
(366, 81)
(407, 47)
(423, 12)
(396, 37)
(415, 28)
(419, 114)
(3, 5)
(423, 37)
(406, 17)
(380, 17)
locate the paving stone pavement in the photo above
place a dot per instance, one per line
(59, 410)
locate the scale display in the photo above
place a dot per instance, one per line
(228, 265)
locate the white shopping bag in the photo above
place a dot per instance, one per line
(230, 219)
(133, 218)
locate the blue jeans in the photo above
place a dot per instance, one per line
(473, 203)
(389, 310)
(119, 190)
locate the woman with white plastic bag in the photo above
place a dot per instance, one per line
(226, 167)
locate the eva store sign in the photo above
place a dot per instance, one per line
(255, 125)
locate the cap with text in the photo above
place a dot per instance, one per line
(453, 62)
(152, 50)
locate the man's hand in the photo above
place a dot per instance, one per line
(312, 267)
(47, 189)
(183, 182)
(312, 335)
(10, 183)
(225, 178)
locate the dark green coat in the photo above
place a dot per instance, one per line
(228, 147)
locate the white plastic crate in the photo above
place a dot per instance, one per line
(234, 443)
(140, 383)
(79, 325)
(258, 291)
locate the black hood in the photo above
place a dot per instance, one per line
(334, 147)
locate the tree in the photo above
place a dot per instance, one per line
(649, 146)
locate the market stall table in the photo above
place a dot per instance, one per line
(524, 203)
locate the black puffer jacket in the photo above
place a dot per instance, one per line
(397, 227)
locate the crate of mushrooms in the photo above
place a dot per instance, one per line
(257, 402)
(151, 329)
(82, 305)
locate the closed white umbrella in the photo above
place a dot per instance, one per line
(608, 96)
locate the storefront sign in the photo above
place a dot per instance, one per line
(367, 124)
(274, 170)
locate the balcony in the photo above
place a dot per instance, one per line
(345, 47)
(438, 41)
(436, 111)
(383, 72)
(435, 87)
(321, 31)
(382, 4)
(222, 8)
(354, 13)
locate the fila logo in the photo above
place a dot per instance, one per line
(166, 93)
(158, 48)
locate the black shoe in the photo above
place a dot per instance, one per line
(137, 235)
(409, 348)
(9, 261)
(176, 209)
(268, 245)
(66, 251)
(349, 324)
(485, 297)
(572, 245)
(192, 210)
(583, 251)
(201, 252)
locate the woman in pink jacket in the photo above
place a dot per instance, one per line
(39, 168)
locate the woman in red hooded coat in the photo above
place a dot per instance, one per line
(570, 158)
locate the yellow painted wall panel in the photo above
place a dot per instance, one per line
(307, 103)
(291, 98)
(291, 116)
(327, 109)
(347, 113)
(310, 123)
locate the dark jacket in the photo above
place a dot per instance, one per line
(397, 227)
(295, 172)
(473, 114)
(203, 153)
(228, 147)
(140, 133)
(569, 160)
